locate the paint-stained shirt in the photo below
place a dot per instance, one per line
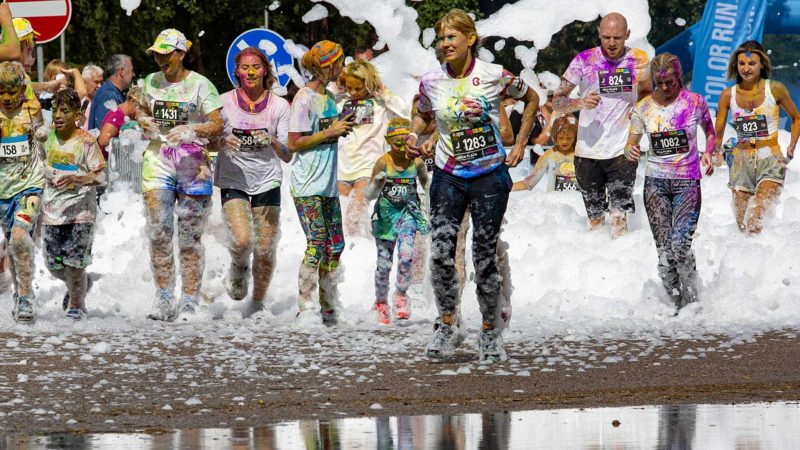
(560, 170)
(467, 115)
(603, 131)
(254, 168)
(672, 131)
(21, 167)
(78, 155)
(314, 169)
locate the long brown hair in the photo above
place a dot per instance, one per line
(269, 77)
(749, 47)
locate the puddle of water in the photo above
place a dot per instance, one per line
(751, 426)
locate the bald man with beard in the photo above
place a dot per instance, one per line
(611, 78)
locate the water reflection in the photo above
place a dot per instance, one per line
(751, 426)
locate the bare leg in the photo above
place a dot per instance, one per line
(357, 209)
(159, 208)
(267, 233)
(740, 201)
(767, 194)
(238, 217)
(21, 253)
(192, 216)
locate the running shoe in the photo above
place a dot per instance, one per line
(24, 310)
(402, 306)
(253, 307)
(75, 314)
(329, 317)
(238, 282)
(491, 347)
(189, 309)
(308, 319)
(163, 306)
(382, 313)
(446, 338)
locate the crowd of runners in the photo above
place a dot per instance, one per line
(432, 164)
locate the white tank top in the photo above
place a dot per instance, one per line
(747, 123)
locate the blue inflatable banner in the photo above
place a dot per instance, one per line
(725, 25)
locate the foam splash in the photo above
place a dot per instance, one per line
(129, 5)
(318, 12)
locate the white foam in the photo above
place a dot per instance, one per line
(318, 12)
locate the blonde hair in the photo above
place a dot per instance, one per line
(12, 75)
(321, 55)
(53, 68)
(663, 62)
(366, 72)
(459, 20)
(134, 95)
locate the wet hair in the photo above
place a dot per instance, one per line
(53, 69)
(460, 21)
(269, 77)
(749, 47)
(565, 123)
(366, 72)
(666, 62)
(12, 75)
(67, 97)
(114, 63)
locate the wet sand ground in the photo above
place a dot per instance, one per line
(146, 381)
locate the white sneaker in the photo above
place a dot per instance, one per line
(189, 310)
(446, 338)
(491, 347)
(24, 310)
(308, 319)
(163, 306)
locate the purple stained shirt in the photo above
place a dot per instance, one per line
(672, 132)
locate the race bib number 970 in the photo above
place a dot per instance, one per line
(170, 114)
(666, 143)
(615, 81)
(753, 126)
(15, 146)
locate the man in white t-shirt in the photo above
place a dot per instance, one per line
(611, 78)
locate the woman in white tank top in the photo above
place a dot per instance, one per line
(754, 103)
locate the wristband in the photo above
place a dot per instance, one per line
(416, 136)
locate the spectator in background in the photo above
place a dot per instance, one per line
(363, 53)
(92, 78)
(58, 72)
(119, 75)
(540, 135)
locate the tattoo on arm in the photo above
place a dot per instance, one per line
(561, 101)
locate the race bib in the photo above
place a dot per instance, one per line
(667, 143)
(399, 190)
(324, 124)
(430, 163)
(248, 142)
(170, 114)
(363, 111)
(470, 144)
(752, 126)
(564, 183)
(14, 147)
(615, 81)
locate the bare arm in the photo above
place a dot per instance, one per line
(213, 126)
(531, 101)
(304, 141)
(377, 180)
(77, 81)
(784, 99)
(9, 49)
(644, 88)
(506, 131)
(422, 173)
(722, 116)
(534, 176)
(561, 101)
(108, 132)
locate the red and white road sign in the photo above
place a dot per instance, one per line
(49, 18)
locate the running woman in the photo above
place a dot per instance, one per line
(314, 130)
(558, 161)
(21, 182)
(397, 218)
(183, 111)
(74, 167)
(670, 118)
(248, 173)
(372, 105)
(611, 78)
(463, 96)
(759, 166)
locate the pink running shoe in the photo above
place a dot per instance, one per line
(402, 306)
(382, 313)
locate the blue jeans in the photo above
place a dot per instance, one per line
(486, 197)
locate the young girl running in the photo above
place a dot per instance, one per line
(372, 105)
(74, 167)
(314, 130)
(248, 173)
(397, 218)
(21, 182)
(558, 162)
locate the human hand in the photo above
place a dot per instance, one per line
(591, 101)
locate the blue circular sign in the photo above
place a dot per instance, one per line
(269, 42)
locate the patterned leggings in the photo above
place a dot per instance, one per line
(406, 232)
(321, 218)
(673, 208)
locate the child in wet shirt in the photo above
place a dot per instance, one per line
(74, 166)
(397, 218)
(558, 162)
